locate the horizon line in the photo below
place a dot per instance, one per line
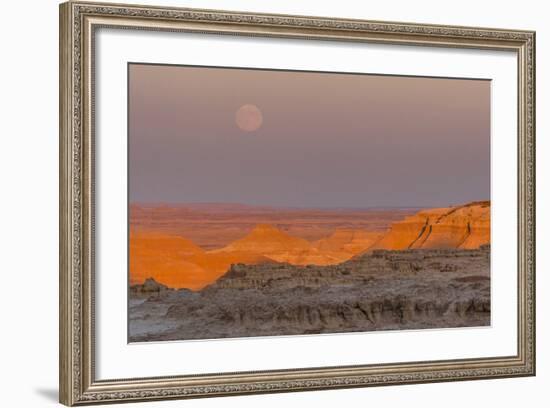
(293, 207)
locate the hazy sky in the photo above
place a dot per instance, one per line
(326, 140)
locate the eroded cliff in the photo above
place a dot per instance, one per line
(382, 290)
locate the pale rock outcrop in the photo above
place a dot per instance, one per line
(150, 286)
(383, 290)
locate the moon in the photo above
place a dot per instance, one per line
(249, 118)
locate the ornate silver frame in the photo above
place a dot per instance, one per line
(78, 22)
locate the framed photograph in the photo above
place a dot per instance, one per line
(256, 203)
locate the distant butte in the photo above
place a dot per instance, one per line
(177, 262)
(465, 227)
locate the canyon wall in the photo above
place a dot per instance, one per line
(381, 290)
(466, 226)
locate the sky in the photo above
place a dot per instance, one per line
(306, 139)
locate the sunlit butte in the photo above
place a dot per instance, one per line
(249, 118)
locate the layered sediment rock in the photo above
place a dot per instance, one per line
(150, 286)
(165, 258)
(279, 246)
(179, 263)
(467, 226)
(345, 243)
(382, 290)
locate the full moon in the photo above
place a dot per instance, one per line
(249, 118)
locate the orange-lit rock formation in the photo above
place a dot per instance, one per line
(466, 226)
(177, 262)
(347, 241)
(279, 246)
(274, 244)
(164, 258)
(267, 239)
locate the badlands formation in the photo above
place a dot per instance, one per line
(177, 262)
(382, 290)
(430, 269)
(465, 227)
